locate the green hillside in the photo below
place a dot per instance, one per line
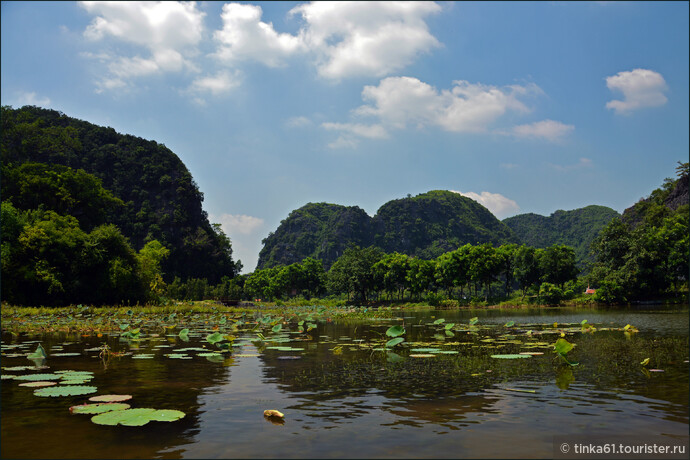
(318, 230)
(425, 226)
(576, 228)
(149, 193)
(435, 222)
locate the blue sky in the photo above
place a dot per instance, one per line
(526, 107)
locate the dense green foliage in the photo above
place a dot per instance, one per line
(576, 228)
(318, 230)
(90, 172)
(47, 259)
(645, 254)
(424, 226)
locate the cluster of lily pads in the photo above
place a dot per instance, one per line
(109, 409)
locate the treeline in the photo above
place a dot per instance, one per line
(645, 254)
(470, 273)
(97, 175)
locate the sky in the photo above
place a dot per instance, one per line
(526, 107)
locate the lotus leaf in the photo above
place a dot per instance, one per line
(473, 320)
(509, 324)
(110, 398)
(277, 328)
(71, 390)
(127, 417)
(422, 355)
(37, 377)
(38, 354)
(395, 331)
(439, 321)
(393, 342)
(425, 350)
(214, 338)
(73, 382)
(645, 361)
(166, 415)
(19, 368)
(97, 408)
(66, 354)
(562, 346)
(510, 356)
(37, 384)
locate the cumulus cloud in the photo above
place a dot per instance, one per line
(167, 31)
(233, 224)
(351, 132)
(402, 102)
(499, 205)
(583, 163)
(222, 82)
(365, 38)
(298, 122)
(343, 39)
(640, 87)
(546, 129)
(31, 98)
(245, 37)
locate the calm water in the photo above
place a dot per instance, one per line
(354, 402)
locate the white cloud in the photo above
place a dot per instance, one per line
(508, 165)
(245, 37)
(168, 31)
(366, 38)
(222, 82)
(402, 102)
(583, 163)
(298, 122)
(499, 205)
(546, 129)
(31, 98)
(233, 224)
(640, 87)
(343, 39)
(368, 131)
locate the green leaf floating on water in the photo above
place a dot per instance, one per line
(473, 321)
(562, 346)
(277, 328)
(395, 331)
(184, 332)
(38, 377)
(70, 390)
(214, 338)
(38, 354)
(509, 324)
(110, 398)
(137, 417)
(393, 342)
(449, 326)
(439, 321)
(509, 356)
(98, 408)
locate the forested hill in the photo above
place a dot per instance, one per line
(159, 198)
(576, 228)
(672, 195)
(318, 230)
(435, 222)
(425, 226)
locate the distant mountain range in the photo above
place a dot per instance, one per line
(425, 226)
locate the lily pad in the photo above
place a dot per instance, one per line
(510, 356)
(37, 384)
(136, 417)
(37, 377)
(97, 408)
(70, 390)
(422, 355)
(214, 338)
(393, 342)
(110, 398)
(395, 331)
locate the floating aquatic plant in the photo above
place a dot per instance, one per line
(395, 331)
(510, 356)
(110, 398)
(97, 408)
(137, 417)
(70, 390)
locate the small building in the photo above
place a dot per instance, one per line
(590, 290)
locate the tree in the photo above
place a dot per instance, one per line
(420, 276)
(150, 258)
(526, 267)
(392, 271)
(485, 265)
(353, 272)
(557, 264)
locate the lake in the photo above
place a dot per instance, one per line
(343, 393)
